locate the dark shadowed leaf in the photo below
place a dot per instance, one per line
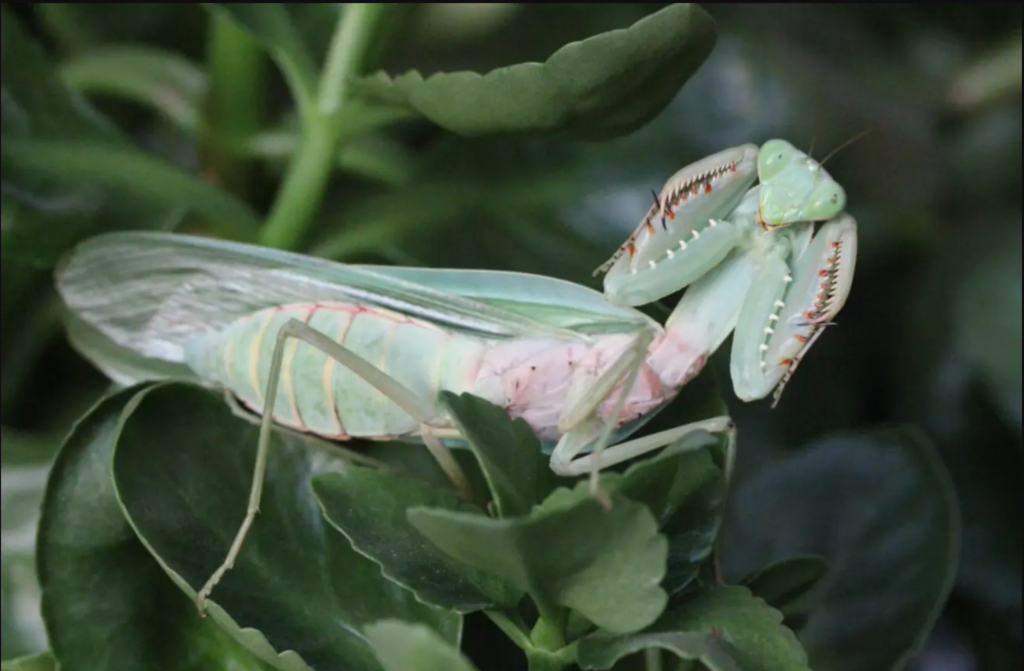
(183, 469)
(988, 321)
(44, 661)
(879, 507)
(401, 646)
(598, 88)
(784, 583)
(369, 507)
(99, 582)
(42, 214)
(606, 565)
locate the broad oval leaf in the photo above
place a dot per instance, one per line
(99, 582)
(183, 468)
(369, 508)
(879, 506)
(571, 552)
(600, 88)
(401, 646)
(728, 629)
(686, 492)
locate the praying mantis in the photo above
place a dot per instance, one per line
(357, 351)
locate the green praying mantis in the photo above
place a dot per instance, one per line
(346, 351)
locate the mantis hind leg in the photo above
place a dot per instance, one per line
(580, 419)
(394, 390)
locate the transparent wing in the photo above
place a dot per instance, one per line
(150, 293)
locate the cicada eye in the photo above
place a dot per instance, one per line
(773, 157)
(826, 202)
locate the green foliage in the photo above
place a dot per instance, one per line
(912, 528)
(599, 88)
(369, 143)
(44, 661)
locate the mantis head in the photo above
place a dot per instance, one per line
(794, 187)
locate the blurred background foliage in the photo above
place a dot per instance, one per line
(931, 334)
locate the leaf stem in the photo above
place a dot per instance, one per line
(548, 633)
(514, 629)
(652, 659)
(306, 178)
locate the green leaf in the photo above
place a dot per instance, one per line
(135, 174)
(606, 565)
(369, 507)
(43, 215)
(785, 582)
(726, 619)
(99, 582)
(162, 80)
(183, 470)
(44, 661)
(603, 651)
(988, 310)
(686, 491)
(880, 508)
(510, 456)
(599, 88)
(401, 646)
(21, 496)
(272, 25)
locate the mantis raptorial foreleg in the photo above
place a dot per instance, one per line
(394, 390)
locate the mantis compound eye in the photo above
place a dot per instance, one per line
(826, 202)
(774, 156)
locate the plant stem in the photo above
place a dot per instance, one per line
(511, 628)
(234, 103)
(548, 632)
(306, 178)
(539, 660)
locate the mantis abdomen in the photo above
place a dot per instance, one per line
(319, 395)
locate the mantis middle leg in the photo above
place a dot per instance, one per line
(394, 390)
(583, 429)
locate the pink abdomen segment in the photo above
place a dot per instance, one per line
(319, 395)
(532, 379)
